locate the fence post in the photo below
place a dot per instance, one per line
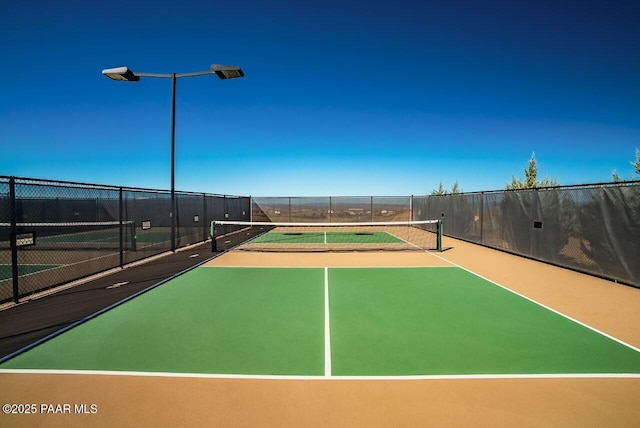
(121, 219)
(411, 208)
(204, 216)
(482, 217)
(372, 208)
(12, 239)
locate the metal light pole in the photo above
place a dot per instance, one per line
(125, 74)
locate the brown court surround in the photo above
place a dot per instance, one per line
(551, 402)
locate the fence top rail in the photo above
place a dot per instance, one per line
(627, 183)
(59, 183)
(334, 197)
(51, 182)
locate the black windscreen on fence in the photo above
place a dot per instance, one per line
(593, 229)
(331, 209)
(56, 232)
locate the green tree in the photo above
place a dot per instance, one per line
(530, 180)
(456, 189)
(636, 166)
(440, 191)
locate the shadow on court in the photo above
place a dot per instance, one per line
(33, 320)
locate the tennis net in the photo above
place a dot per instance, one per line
(305, 237)
(70, 235)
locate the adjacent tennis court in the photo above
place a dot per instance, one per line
(333, 321)
(23, 269)
(327, 237)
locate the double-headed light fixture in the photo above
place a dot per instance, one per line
(125, 74)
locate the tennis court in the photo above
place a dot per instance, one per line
(24, 269)
(280, 327)
(50, 253)
(377, 322)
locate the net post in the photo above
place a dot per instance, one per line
(439, 236)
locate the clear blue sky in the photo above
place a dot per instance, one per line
(340, 97)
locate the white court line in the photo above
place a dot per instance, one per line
(422, 249)
(628, 345)
(330, 267)
(327, 373)
(327, 331)
(321, 377)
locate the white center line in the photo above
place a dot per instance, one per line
(327, 332)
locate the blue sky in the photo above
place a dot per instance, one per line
(339, 98)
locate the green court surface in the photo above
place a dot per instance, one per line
(82, 237)
(105, 237)
(206, 321)
(449, 321)
(111, 238)
(327, 238)
(23, 269)
(383, 322)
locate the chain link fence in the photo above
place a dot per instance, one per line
(593, 229)
(331, 209)
(54, 232)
